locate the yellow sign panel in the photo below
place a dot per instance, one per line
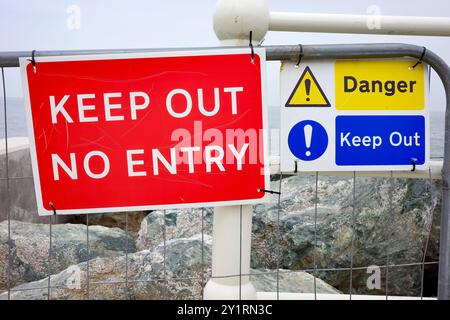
(307, 92)
(379, 85)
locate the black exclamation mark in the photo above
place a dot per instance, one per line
(308, 88)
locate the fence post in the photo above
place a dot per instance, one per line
(233, 21)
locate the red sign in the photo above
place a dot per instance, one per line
(146, 131)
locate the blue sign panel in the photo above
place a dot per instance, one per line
(308, 140)
(380, 140)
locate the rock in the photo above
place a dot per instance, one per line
(265, 280)
(180, 276)
(184, 261)
(21, 196)
(30, 248)
(390, 216)
(116, 220)
(395, 225)
(149, 275)
(183, 223)
(72, 283)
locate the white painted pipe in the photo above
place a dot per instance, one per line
(232, 225)
(361, 24)
(230, 256)
(234, 19)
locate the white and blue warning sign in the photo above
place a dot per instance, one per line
(354, 115)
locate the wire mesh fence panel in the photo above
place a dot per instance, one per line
(352, 236)
(352, 249)
(88, 260)
(320, 235)
(7, 191)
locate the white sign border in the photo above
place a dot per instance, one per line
(372, 168)
(25, 61)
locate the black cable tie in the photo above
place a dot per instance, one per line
(300, 56)
(32, 60)
(269, 191)
(296, 166)
(251, 46)
(420, 59)
(413, 161)
(53, 208)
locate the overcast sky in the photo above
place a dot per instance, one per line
(49, 24)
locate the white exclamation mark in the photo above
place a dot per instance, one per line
(308, 135)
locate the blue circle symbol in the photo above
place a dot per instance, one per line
(308, 140)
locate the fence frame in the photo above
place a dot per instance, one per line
(337, 51)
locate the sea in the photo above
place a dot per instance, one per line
(16, 125)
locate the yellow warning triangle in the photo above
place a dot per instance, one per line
(307, 92)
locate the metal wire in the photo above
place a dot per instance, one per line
(316, 200)
(353, 234)
(231, 276)
(118, 282)
(391, 190)
(49, 267)
(8, 206)
(240, 252)
(126, 254)
(88, 252)
(15, 178)
(427, 240)
(250, 274)
(203, 250)
(279, 236)
(36, 288)
(311, 270)
(164, 247)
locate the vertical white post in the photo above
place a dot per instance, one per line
(233, 21)
(227, 248)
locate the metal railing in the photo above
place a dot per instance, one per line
(274, 53)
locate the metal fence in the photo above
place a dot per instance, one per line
(129, 283)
